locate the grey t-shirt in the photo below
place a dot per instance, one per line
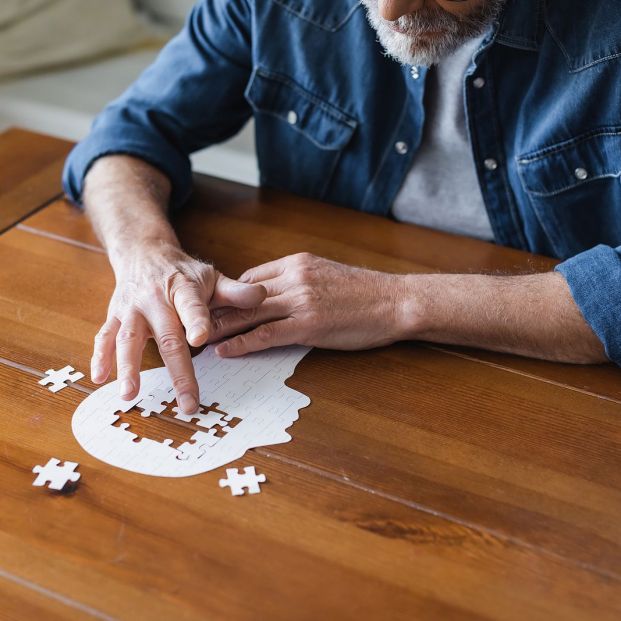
(441, 190)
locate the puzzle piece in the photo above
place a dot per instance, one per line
(202, 419)
(237, 482)
(207, 439)
(124, 427)
(155, 402)
(191, 450)
(59, 378)
(56, 475)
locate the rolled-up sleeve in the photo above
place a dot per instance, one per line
(191, 97)
(594, 279)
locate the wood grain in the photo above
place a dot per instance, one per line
(529, 461)
(308, 547)
(30, 166)
(423, 482)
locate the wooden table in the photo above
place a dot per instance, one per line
(423, 482)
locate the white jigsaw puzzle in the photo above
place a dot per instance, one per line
(59, 379)
(56, 475)
(249, 391)
(238, 482)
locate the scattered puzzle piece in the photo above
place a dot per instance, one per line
(237, 482)
(56, 475)
(58, 379)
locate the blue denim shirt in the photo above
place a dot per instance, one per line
(542, 98)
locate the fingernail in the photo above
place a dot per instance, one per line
(195, 333)
(96, 373)
(126, 387)
(188, 403)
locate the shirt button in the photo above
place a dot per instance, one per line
(401, 147)
(415, 72)
(292, 117)
(581, 173)
(490, 164)
(478, 82)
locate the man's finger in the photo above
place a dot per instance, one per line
(175, 353)
(193, 313)
(130, 341)
(103, 350)
(228, 292)
(265, 271)
(236, 320)
(273, 334)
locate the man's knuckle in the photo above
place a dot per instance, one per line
(171, 343)
(126, 335)
(125, 369)
(265, 332)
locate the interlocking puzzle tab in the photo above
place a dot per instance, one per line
(58, 379)
(155, 402)
(237, 482)
(56, 475)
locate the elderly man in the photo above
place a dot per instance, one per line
(498, 119)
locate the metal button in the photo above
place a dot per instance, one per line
(478, 82)
(401, 147)
(292, 117)
(490, 164)
(581, 173)
(415, 72)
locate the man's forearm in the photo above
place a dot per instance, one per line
(126, 200)
(532, 315)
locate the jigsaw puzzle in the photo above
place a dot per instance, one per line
(59, 379)
(251, 406)
(238, 482)
(56, 475)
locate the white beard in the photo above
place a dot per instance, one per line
(414, 48)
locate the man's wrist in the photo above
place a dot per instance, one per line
(414, 308)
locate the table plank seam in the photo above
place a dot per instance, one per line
(415, 506)
(442, 515)
(33, 211)
(525, 374)
(58, 597)
(59, 238)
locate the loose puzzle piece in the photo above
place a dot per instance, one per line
(59, 379)
(155, 402)
(56, 475)
(237, 482)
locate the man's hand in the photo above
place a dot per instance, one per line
(159, 293)
(314, 301)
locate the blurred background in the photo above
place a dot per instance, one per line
(61, 61)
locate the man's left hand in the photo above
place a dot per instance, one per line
(317, 302)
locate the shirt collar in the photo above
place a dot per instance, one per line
(521, 24)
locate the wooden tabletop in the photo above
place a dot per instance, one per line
(423, 482)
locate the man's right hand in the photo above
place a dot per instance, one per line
(160, 291)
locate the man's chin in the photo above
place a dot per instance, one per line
(426, 50)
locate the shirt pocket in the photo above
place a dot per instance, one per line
(574, 188)
(299, 136)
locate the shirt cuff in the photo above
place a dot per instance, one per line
(153, 150)
(594, 279)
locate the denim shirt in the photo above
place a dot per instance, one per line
(337, 120)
